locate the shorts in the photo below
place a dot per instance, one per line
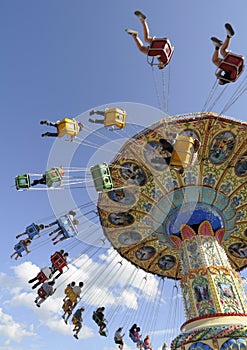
(119, 342)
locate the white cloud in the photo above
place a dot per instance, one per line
(13, 330)
(25, 271)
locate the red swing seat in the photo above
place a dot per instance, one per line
(233, 63)
(162, 48)
(41, 277)
(41, 293)
(58, 261)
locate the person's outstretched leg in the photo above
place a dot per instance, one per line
(226, 43)
(59, 234)
(21, 234)
(47, 122)
(97, 121)
(215, 58)
(142, 18)
(33, 280)
(51, 134)
(54, 231)
(36, 285)
(139, 43)
(60, 240)
(97, 112)
(52, 224)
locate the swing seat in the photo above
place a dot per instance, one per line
(102, 177)
(41, 277)
(41, 293)
(58, 261)
(115, 117)
(72, 296)
(67, 226)
(182, 152)
(32, 231)
(96, 319)
(22, 181)
(19, 248)
(104, 333)
(68, 126)
(52, 176)
(162, 48)
(75, 321)
(233, 63)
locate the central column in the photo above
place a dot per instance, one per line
(213, 293)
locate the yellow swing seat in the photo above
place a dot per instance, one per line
(182, 152)
(72, 296)
(68, 126)
(115, 117)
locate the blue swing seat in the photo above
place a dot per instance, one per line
(19, 248)
(32, 231)
(67, 226)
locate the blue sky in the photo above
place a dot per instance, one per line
(62, 58)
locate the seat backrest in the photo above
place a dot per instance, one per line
(58, 261)
(68, 126)
(22, 181)
(233, 63)
(67, 226)
(42, 294)
(115, 117)
(19, 248)
(32, 231)
(161, 47)
(183, 150)
(42, 277)
(72, 295)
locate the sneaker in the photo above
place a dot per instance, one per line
(76, 336)
(38, 305)
(140, 15)
(217, 42)
(43, 135)
(131, 32)
(229, 30)
(92, 112)
(43, 122)
(91, 120)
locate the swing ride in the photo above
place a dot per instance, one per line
(173, 203)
